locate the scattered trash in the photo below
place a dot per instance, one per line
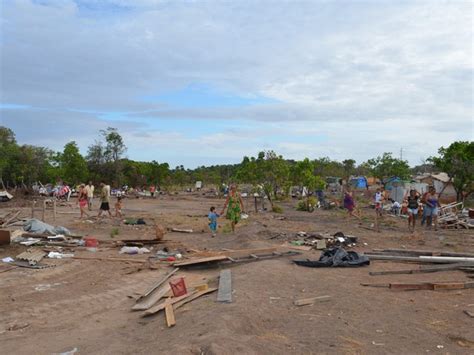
(19, 326)
(133, 250)
(178, 287)
(336, 257)
(30, 241)
(244, 216)
(38, 227)
(56, 255)
(8, 259)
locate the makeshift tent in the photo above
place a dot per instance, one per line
(358, 182)
(392, 181)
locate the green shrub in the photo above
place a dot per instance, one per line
(277, 209)
(114, 232)
(307, 204)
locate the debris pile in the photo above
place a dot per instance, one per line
(454, 216)
(319, 241)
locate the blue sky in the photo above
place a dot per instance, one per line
(201, 83)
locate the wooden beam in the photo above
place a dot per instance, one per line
(153, 298)
(193, 297)
(201, 260)
(312, 300)
(170, 319)
(158, 284)
(162, 305)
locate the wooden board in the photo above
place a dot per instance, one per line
(159, 283)
(193, 297)
(225, 287)
(169, 314)
(312, 300)
(150, 300)
(200, 260)
(162, 305)
(469, 313)
(448, 286)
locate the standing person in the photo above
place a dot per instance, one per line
(82, 200)
(152, 191)
(349, 203)
(104, 199)
(118, 207)
(412, 204)
(424, 217)
(431, 207)
(235, 206)
(379, 198)
(90, 194)
(213, 221)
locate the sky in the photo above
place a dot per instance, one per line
(206, 82)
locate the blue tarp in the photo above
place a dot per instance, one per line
(359, 182)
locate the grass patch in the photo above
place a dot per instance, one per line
(277, 209)
(114, 232)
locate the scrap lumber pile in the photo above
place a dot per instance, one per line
(11, 218)
(452, 262)
(453, 216)
(318, 241)
(194, 287)
(421, 256)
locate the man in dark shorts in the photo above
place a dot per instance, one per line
(104, 199)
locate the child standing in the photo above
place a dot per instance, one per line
(118, 207)
(213, 221)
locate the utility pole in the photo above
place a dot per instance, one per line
(401, 153)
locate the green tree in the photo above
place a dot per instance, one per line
(387, 166)
(302, 174)
(349, 167)
(73, 166)
(457, 161)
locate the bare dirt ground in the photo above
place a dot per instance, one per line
(85, 304)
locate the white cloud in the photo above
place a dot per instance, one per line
(375, 76)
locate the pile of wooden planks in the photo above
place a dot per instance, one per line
(10, 219)
(149, 301)
(421, 256)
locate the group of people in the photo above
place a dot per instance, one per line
(86, 196)
(412, 202)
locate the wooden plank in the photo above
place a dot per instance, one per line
(162, 305)
(312, 300)
(193, 297)
(151, 299)
(111, 259)
(448, 286)
(424, 252)
(201, 260)
(412, 286)
(159, 283)
(432, 260)
(469, 313)
(449, 267)
(11, 218)
(169, 314)
(246, 252)
(225, 287)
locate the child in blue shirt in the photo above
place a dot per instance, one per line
(213, 221)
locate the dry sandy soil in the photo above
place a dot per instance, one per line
(85, 304)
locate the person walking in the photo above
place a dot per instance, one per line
(82, 200)
(104, 199)
(234, 205)
(412, 204)
(90, 194)
(431, 206)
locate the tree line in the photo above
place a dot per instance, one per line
(23, 165)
